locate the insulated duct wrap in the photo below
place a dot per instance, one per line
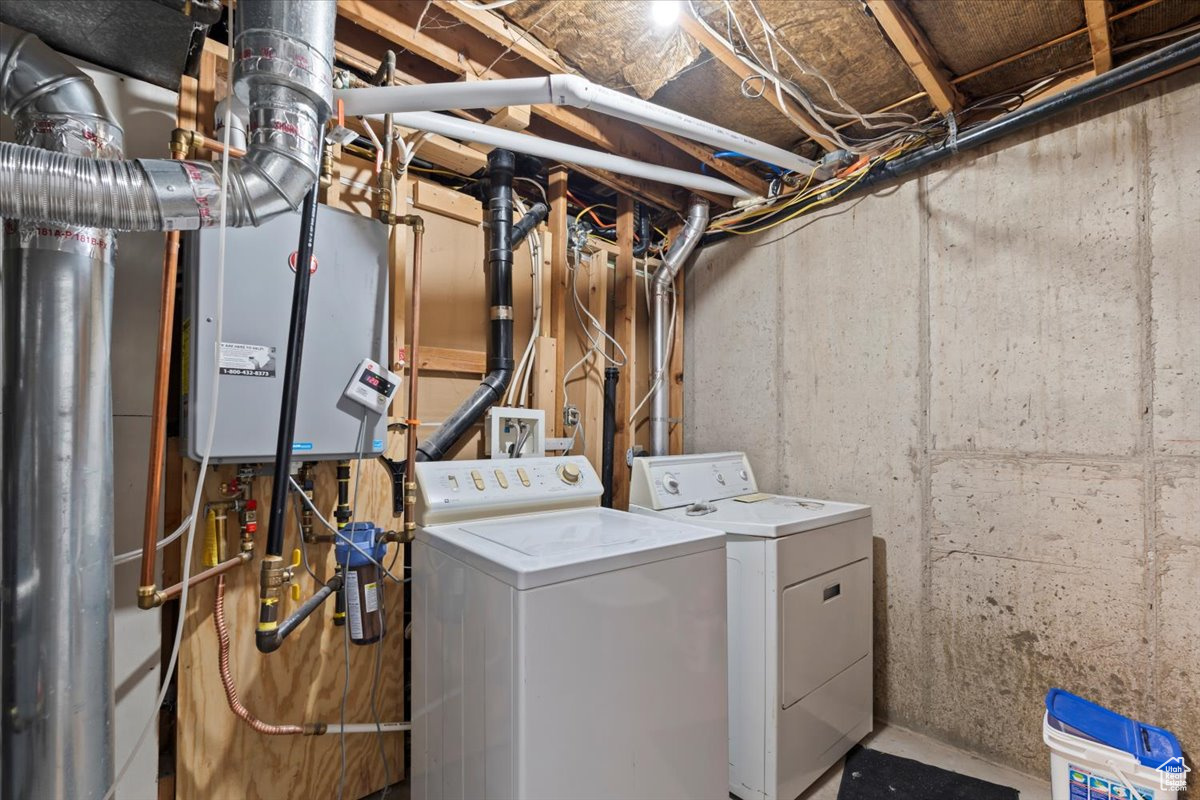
(284, 73)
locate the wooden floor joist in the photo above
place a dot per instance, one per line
(910, 41)
(1096, 12)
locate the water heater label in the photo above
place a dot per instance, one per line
(251, 360)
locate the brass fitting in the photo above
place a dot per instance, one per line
(315, 728)
(327, 166)
(181, 142)
(415, 221)
(148, 597)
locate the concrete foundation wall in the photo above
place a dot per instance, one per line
(1003, 358)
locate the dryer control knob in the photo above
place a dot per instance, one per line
(671, 483)
(569, 473)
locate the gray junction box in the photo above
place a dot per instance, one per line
(346, 322)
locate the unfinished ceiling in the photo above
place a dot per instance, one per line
(851, 71)
(985, 46)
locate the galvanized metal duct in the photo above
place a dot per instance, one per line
(63, 190)
(57, 491)
(662, 284)
(284, 73)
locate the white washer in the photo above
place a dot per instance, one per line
(800, 612)
(562, 650)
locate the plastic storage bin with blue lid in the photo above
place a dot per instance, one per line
(1152, 747)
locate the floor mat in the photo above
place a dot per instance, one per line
(872, 775)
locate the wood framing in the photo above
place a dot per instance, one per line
(1096, 12)
(625, 331)
(789, 108)
(558, 281)
(910, 41)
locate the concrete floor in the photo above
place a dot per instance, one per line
(907, 744)
(899, 742)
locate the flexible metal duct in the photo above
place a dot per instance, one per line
(62, 191)
(284, 73)
(662, 284)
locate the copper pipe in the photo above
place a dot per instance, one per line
(231, 693)
(158, 417)
(171, 592)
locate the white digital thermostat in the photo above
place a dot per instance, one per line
(372, 386)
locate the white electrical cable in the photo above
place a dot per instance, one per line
(485, 6)
(212, 426)
(134, 555)
(517, 392)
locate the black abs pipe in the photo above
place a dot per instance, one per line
(501, 164)
(528, 222)
(643, 221)
(611, 376)
(269, 641)
(291, 372)
(1146, 68)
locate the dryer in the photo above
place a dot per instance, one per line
(562, 650)
(800, 616)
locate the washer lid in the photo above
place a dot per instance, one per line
(765, 515)
(539, 549)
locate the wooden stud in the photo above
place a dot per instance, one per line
(511, 118)
(558, 280)
(545, 382)
(910, 41)
(1096, 12)
(593, 394)
(447, 359)
(429, 196)
(625, 305)
(789, 108)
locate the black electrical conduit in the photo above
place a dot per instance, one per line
(1125, 76)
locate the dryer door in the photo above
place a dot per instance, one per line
(826, 627)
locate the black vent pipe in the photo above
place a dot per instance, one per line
(611, 376)
(1149, 67)
(501, 164)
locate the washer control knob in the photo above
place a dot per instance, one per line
(670, 483)
(569, 473)
(742, 474)
(720, 479)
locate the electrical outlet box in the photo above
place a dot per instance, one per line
(508, 427)
(346, 320)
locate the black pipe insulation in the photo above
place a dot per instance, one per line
(501, 164)
(611, 376)
(1123, 77)
(270, 641)
(291, 372)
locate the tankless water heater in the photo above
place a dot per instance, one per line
(346, 322)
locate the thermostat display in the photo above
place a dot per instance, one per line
(372, 386)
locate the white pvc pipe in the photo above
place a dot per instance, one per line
(569, 90)
(367, 727)
(544, 148)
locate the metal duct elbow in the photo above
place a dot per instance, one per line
(664, 277)
(693, 229)
(284, 74)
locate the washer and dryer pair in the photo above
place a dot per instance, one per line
(800, 616)
(563, 650)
